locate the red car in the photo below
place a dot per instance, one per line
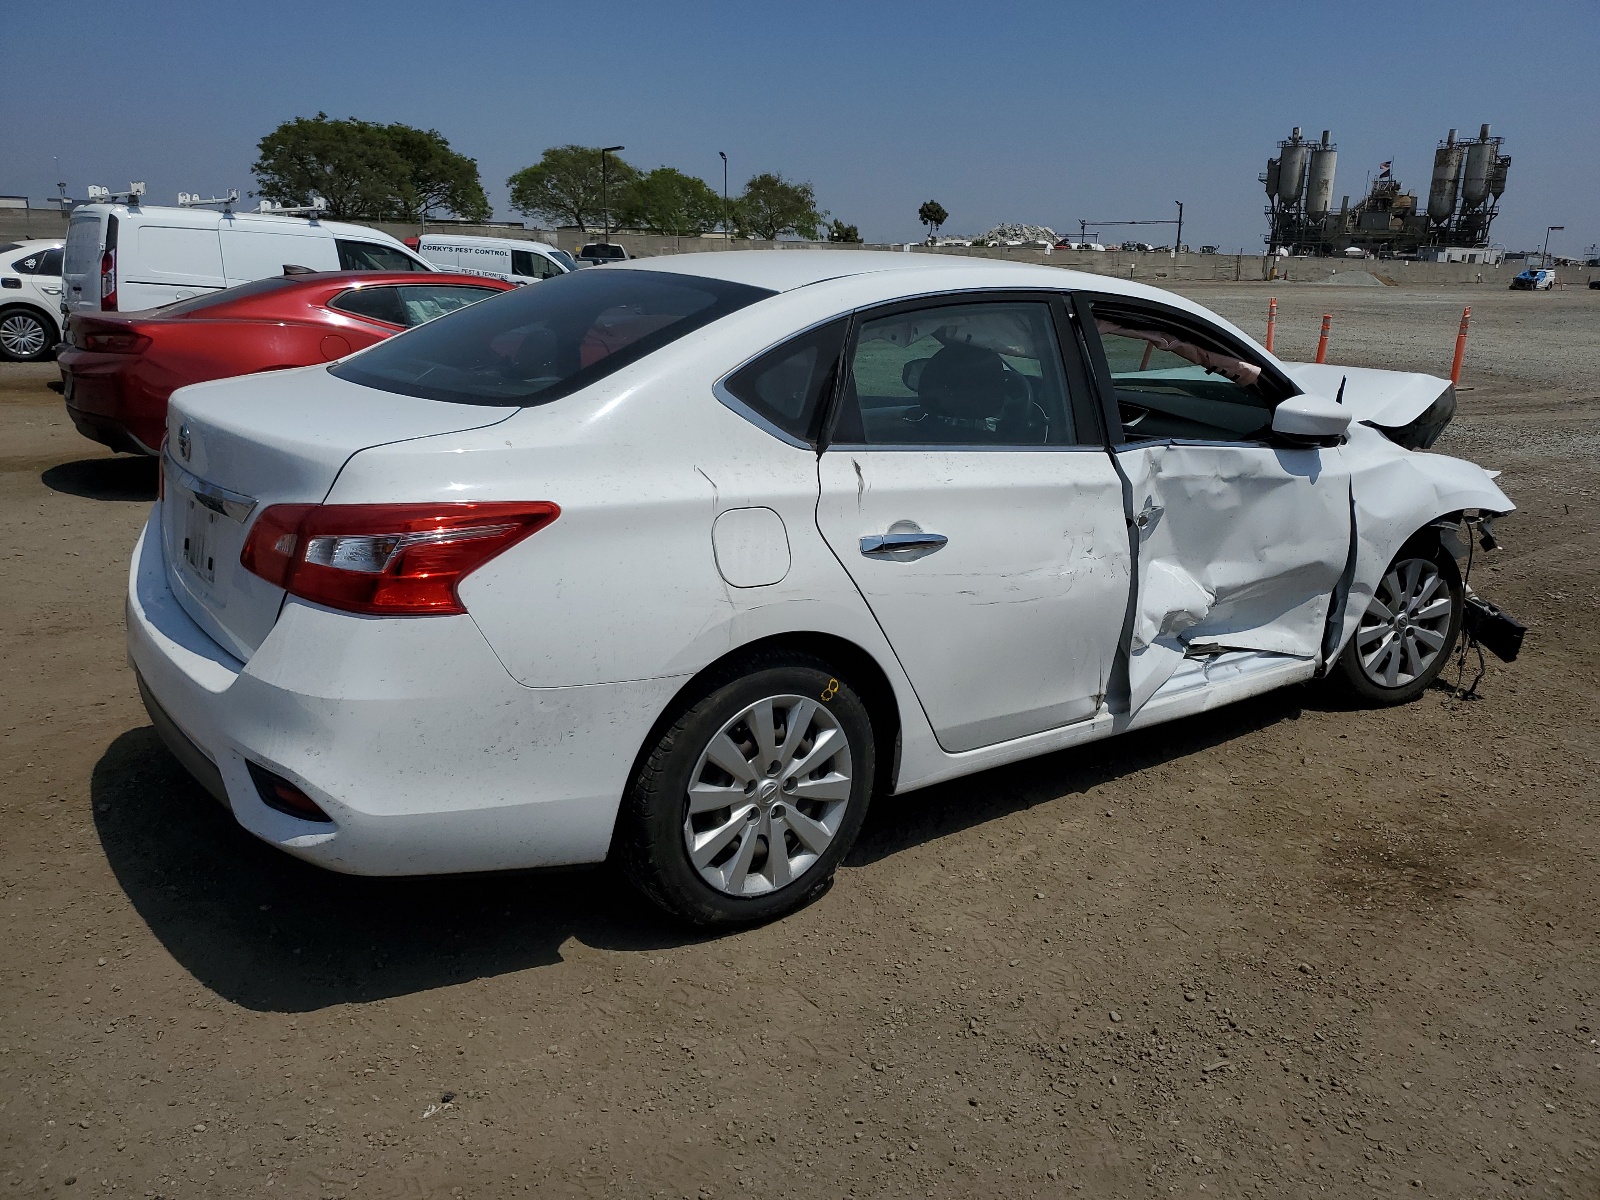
(117, 369)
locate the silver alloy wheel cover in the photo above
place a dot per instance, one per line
(22, 335)
(1404, 628)
(788, 760)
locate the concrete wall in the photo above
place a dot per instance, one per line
(1156, 269)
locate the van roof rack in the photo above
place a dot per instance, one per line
(100, 195)
(315, 209)
(195, 200)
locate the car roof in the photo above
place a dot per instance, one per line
(786, 270)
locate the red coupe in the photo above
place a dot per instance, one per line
(117, 369)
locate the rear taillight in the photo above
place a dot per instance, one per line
(386, 559)
(114, 343)
(108, 279)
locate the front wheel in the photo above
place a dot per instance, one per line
(1410, 626)
(26, 335)
(744, 806)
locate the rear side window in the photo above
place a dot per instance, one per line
(788, 387)
(535, 345)
(372, 256)
(374, 303)
(46, 262)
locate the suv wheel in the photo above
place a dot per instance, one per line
(744, 806)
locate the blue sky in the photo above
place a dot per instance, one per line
(1035, 112)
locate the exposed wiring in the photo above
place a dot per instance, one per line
(1465, 639)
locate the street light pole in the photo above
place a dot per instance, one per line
(1544, 255)
(1177, 242)
(727, 234)
(605, 196)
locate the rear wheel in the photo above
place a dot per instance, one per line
(744, 806)
(1410, 626)
(26, 335)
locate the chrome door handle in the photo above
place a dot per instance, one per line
(887, 545)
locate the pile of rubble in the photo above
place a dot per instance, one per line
(1018, 235)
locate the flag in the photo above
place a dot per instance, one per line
(1383, 169)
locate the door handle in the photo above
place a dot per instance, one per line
(890, 545)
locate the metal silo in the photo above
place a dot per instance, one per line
(1319, 182)
(1292, 169)
(1480, 163)
(1497, 175)
(1446, 175)
(1271, 177)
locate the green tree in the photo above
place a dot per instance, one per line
(838, 231)
(668, 201)
(933, 215)
(439, 178)
(564, 186)
(351, 164)
(773, 206)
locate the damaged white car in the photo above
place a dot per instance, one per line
(687, 560)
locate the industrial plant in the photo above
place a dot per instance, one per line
(1463, 199)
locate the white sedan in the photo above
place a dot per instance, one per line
(686, 560)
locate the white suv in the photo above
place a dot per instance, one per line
(30, 299)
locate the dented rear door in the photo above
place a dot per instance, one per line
(994, 555)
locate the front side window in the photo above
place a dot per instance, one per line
(373, 256)
(1176, 378)
(535, 345)
(984, 374)
(531, 265)
(788, 387)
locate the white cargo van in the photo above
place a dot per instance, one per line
(501, 258)
(135, 256)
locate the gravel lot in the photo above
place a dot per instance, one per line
(1279, 950)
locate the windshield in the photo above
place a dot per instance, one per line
(536, 344)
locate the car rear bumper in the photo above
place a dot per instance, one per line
(408, 732)
(104, 407)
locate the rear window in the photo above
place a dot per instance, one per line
(537, 344)
(244, 291)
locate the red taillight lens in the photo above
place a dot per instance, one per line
(386, 559)
(108, 280)
(115, 343)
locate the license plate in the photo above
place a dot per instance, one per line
(199, 526)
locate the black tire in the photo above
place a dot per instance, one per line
(655, 822)
(16, 323)
(1357, 679)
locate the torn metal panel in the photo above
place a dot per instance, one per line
(1395, 494)
(1239, 547)
(1006, 612)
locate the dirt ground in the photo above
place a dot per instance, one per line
(1283, 949)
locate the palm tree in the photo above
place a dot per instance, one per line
(933, 215)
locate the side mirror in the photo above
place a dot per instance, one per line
(1311, 420)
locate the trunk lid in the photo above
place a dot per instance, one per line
(237, 446)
